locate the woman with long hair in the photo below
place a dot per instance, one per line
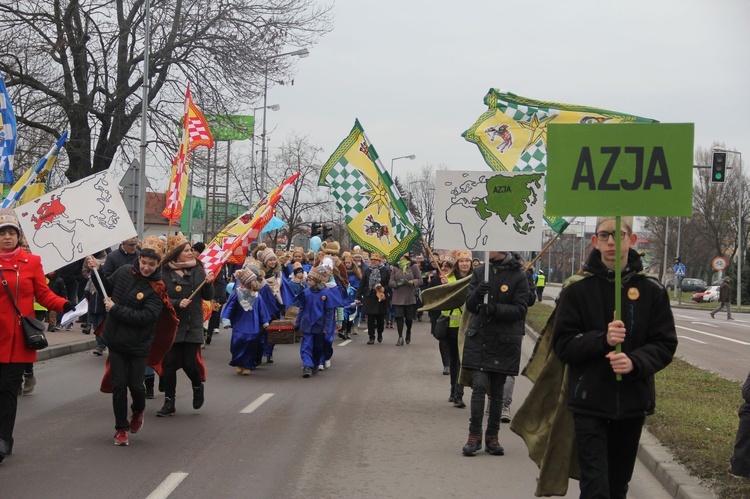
(460, 270)
(183, 274)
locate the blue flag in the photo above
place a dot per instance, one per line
(7, 134)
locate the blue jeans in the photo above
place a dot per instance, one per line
(721, 305)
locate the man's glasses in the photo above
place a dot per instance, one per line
(604, 236)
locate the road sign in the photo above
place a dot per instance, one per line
(679, 270)
(719, 263)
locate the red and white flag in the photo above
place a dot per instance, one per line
(195, 132)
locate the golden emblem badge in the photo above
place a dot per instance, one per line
(178, 288)
(323, 297)
(139, 296)
(633, 293)
(504, 288)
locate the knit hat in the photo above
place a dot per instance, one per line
(249, 272)
(266, 255)
(156, 244)
(296, 265)
(319, 274)
(199, 247)
(8, 218)
(330, 247)
(449, 257)
(463, 255)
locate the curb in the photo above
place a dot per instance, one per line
(657, 459)
(66, 349)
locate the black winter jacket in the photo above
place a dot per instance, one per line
(585, 309)
(130, 325)
(190, 329)
(495, 332)
(369, 297)
(117, 259)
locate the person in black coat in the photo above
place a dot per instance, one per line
(133, 307)
(740, 462)
(609, 413)
(372, 293)
(492, 348)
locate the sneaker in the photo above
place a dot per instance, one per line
(29, 382)
(136, 422)
(69, 327)
(269, 359)
(736, 475)
(492, 445)
(306, 372)
(328, 364)
(730, 318)
(121, 437)
(321, 368)
(446, 371)
(198, 396)
(712, 315)
(98, 351)
(473, 445)
(505, 415)
(216, 330)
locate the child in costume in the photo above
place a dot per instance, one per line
(249, 308)
(317, 317)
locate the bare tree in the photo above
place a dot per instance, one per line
(84, 61)
(421, 190)
(304, 199)
(712, 230)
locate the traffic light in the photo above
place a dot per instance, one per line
(327, 232)
(719, 167)
(315, 229)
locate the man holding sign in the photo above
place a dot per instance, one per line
(609, 413)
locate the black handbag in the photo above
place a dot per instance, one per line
(33, 329)
(418, 296)
(440, 331)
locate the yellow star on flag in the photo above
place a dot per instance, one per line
(537, 128)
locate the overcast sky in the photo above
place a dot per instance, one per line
(415, 72)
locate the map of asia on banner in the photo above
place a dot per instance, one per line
(489, 211)
(76, 220)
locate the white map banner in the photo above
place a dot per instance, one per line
(76, 220)
(489, 211)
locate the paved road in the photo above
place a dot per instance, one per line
(377, 424)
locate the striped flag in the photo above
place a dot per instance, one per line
(195, 132)
(7, 134)
(512, 134)
(243, 230)
(27, 189)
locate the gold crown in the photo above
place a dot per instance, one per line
(156, 244)
(174, 241)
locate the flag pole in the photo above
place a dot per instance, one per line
(546, 247)
(101, 284)
(197, 289)
(618, 280)
(432, 257)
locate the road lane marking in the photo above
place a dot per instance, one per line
(168, 485)
(344, 343)
(705, 324)
(692, 339)
(256, 403)
(714, 335)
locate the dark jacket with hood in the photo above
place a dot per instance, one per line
(585, 309)
(179, 287)
(130, 325)
(495, 331)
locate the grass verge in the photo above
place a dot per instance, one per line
(695, 418)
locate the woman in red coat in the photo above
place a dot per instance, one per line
(25, 277)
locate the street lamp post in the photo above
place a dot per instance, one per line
(409, 156)
(272, 107)
(301, 53)
(740, 249)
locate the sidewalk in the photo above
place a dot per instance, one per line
(66, 342)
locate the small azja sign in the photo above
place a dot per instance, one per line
(620, 169)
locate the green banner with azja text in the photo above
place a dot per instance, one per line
(620, 169)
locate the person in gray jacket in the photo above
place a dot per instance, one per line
(405, 277)
(492, 348)
(183, 274)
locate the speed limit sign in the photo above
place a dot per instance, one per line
(719, 263)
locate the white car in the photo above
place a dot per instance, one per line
(711, 294)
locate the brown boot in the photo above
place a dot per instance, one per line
(473, 445)
(492, 445)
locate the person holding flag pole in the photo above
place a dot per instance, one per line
(612, 359)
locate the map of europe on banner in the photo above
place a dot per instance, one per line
(489, 211)
(75, 220)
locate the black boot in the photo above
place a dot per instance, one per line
(168, 408)
(492, 445)
(198, 396)
(408, 336)
(149, 383)
(458, 401)
(473, 445)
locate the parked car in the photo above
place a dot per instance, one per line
(689, 284)
(709, 295)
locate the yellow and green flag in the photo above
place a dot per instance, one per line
(377, 217)
(512, 133)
